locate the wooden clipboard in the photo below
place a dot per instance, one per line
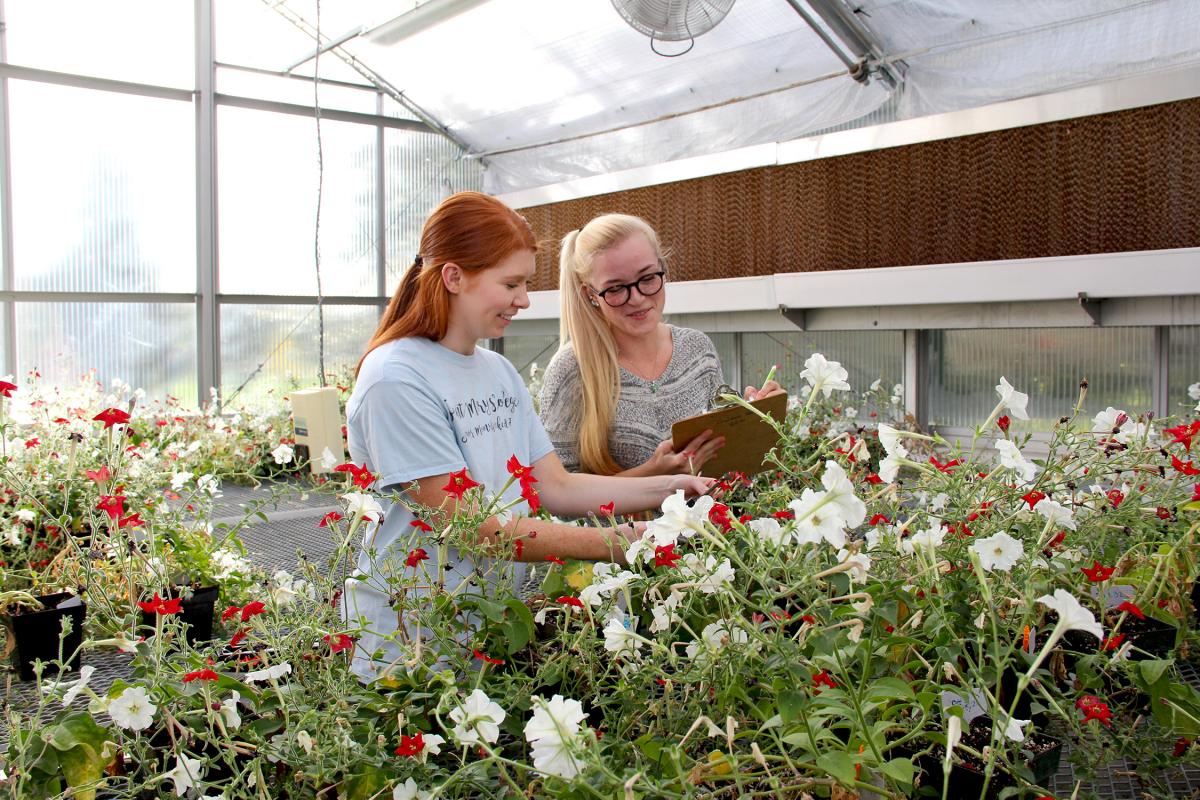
(748, 438)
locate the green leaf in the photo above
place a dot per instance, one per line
(367, 784)
(82, 766)
(77, 729)
(493, 611)
(900, 770)
(1153, 669)
(518, 627)
(791, 704)
(890, 687)
(838, 764)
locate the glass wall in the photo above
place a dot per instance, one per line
(1183, 367)
(867, 356)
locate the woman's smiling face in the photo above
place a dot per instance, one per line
(627, 262)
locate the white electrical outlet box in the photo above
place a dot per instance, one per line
(318, 425)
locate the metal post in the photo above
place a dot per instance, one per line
(1160, 397)
(734, 375)
(380, 204)
(208, 350)
(8, 311)
(915, 402)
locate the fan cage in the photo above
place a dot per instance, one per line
(673, 20)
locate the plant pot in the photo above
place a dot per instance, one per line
(1156, 638)
(37, 634)
(197, 613)
(966, 778)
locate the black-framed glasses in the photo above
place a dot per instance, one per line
(647, 286)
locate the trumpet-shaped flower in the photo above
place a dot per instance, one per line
(715, 637)
(283, 454)
(553, 730)
(1010, 457)
(860, 565)
(678, 518)
(363, 506)
(477, 720)
(1072, 616)
(769, 530)
(929, 539)
(229, 711)
(1055, 513)
(1115, 423)
(818, 519)
(709, 576)
(1011, 399)
(620, 637)
(823, 375)
(72, 688)
(998, 551)
(1013, 729)
(132, 709)
(889, 437)
(410, 791)
(269, 674)
(186, 773)
(889, 467)
(953, 735)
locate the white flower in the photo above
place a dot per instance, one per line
(283, 454)
(827, 375)
(209, 484)
(709, 576)
(26, 515)
(179, 480)
(953, 735)
(132, 709)
(328, 459)
(269, 674)
(185, 774)
(889, 437)
(930, 538)
(477, 720)
(229, 711)
(998, 551)
(769, 530)
(304, 739)
(864, 607)
(861, 564)
(553, 730)
(818, 519)
(363, 506)
(14, 535)
(73, 688)
(716, 637)
(678, 519)
(1071, 615)
(1055, 513)
(409, 791)
(433, 745)
(889, 467)
(621, 639)
(841, 493)
(1013, 729)
(1194, 391)
(1116, 423)
(1013, 400)
(1010, 456)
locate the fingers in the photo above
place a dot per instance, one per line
(695, 444)
(751, 393)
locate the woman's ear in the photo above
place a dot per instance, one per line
(452, 277)
(587, 295)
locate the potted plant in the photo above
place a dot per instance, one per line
(36, 630)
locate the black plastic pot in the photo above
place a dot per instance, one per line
(196, 612)
(966, 780)
(37, 634)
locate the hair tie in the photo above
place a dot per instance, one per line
(417, 260)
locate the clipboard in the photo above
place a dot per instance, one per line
(748, 438)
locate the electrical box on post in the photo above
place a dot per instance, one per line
(318, 425)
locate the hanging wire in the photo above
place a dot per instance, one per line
(320, 187)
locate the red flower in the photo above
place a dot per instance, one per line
(252, 609)
(131, 521)
(521, 472)
(329, 519)
(421, 526)
(567, 600)
(1112, 642)
(1094, 708)
(6, 388)
(1033, 497)
(1098, 573)
(1187, 469)
(1162, 513)
(1116, 497)
(32, 443)
(112, 504)
(1181, 746)
(519, 547)
(1195, 492)
(607, 509)
(878, 518)
(411, 746)
(111, 416)
(459, 483)
(811, 620)
(1058, 539)
(361, 476)
(785, 514)
(719, 515)
(98, 475)
(339, 642)
(1131, 608)
(151, 606)
(201, 675)
(416, 557)
(947, 468)
(1003, 422)
(171, 606)
(484, 657)
(665, 556)
(230, 612)
(1183, 434)
(556, 560)
(823, 678)
(237, 638)
(530, 496)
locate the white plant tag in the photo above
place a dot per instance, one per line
(974, 706)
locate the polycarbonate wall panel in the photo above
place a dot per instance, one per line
(267, 203)
(283, 339)
(1183, 366)
(726, 344)
(964, 366)
(867, 356)
(147, 345)
(143, 41)
(421, 169)
(525, 351)
(103, 191)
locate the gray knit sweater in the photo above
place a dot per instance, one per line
(645, 409)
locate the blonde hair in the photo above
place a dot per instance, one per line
(583, 328)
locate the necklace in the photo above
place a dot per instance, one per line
(654, 382)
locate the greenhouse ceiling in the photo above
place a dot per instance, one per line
(545, 91)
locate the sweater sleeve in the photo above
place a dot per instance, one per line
(560, 401)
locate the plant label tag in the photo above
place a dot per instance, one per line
(972, 707)
(70, 602)
(1115, 595)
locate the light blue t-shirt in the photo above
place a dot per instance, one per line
(420, 409)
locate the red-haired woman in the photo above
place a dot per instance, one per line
(428, 403)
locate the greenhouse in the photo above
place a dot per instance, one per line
(600, 399)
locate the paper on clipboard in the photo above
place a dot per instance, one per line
(748, 438)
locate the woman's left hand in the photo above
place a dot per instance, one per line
(692, 485)
(768, 389)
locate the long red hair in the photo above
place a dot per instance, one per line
(473, 230)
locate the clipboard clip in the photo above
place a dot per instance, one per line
(718, 399)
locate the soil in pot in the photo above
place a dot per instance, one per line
(197, 612)
(967, 773)
(37, 634)
(1156, 638)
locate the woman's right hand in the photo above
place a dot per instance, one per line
(689, 460)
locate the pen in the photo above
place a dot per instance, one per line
(770, 375)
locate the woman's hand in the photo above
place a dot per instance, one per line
(692, 485)
(689, 460)
(625, 534)
(768, 389)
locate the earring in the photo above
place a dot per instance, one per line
(595, 304)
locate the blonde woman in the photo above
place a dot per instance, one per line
(622, 376)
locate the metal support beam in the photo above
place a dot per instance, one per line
(91, 82)
(914, 373)
(1161, 392)
(208, 349)
(867, 53)
(353, 33)
(326, 113)
(8, 315)
(380, 204)
(796, 316)
(1091, 307)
